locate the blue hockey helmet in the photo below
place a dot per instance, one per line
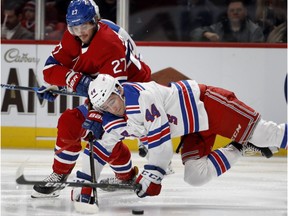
(80, 12)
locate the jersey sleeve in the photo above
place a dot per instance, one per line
(61, 60)
(113, 127)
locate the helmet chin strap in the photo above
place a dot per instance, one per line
(122, 98)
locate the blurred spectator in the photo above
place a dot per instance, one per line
(154, 20)
(194, 14)
(55, 19)
(29, 16)
(237, 27)
(270, 14)
(11, 26)
(278, 34)
(107, 9)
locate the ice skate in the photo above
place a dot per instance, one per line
(48, 192)
(249, 149)
(114, 180)
(170, 169)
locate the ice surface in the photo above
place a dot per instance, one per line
(255, 186)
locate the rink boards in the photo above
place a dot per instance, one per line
(255, 74)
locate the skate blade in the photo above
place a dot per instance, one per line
(40, 195)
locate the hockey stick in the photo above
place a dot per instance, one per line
(35, 89)
(94, 197)
(23, 181)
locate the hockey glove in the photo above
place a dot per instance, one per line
(150, 181)
(93, 124)
(142, 150)
(44, 92)
(78, 82)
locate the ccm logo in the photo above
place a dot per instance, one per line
(236, 132)
(73, 81)
(151, 175)
(95, 116)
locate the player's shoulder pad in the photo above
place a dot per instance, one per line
(111, 24)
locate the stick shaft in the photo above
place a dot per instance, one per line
(35, 89)
(92, 168)
(22, 181)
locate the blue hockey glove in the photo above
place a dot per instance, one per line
(93, 124)
(44, 92)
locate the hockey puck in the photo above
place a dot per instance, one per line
(137, 212)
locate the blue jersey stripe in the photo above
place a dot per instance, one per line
(122, 168)
(224, 159)
(216, 165)
(284, 141)
(195, 111)
(51, 61)
(158, 130)
(101, 148)
(133, 112)
(115, 126)
(159, 142)
(183, 110)
(96, 157)
(67, 157)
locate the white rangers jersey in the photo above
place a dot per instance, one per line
(155, 114)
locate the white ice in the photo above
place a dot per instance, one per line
(255, 186)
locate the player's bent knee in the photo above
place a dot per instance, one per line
(69, 125)
(196, 174)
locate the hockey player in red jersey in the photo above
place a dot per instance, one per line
(195, 111)
(89, 47)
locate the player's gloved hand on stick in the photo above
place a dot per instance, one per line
(44, 92)
(93, 124)
(150, 181)
(78, 82)
(142, 150)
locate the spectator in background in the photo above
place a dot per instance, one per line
(278, 34)
(55, 19)
(154, 20)
(271, 14)
(29, 16)
(194, 14)
(11, 26)
(237, 27)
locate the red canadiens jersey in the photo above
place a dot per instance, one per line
(108, 53)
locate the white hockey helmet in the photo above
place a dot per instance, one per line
(101, 88)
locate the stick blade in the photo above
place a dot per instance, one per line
(86, 208)
(20, 178)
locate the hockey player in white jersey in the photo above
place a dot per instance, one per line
(197, 112)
